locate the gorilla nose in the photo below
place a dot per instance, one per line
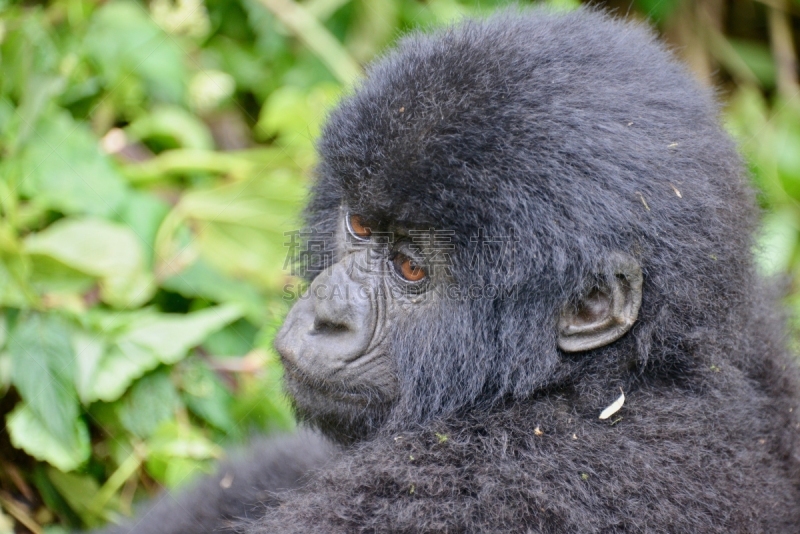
(336, 319)
(334, 313)
(340, 305)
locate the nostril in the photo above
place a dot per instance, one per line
(325, 326)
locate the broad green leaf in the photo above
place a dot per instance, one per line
(260, 405)
(242, 225)
(147, 341)
(33, 104)
(171, 336)
(206, 397)
(123, 39)
(48, 275)
(11, 294)
(180, 441)
(80, 491)
(178, 453)
(152, 400)
(178, 472)
(43, 370)
(181, 128)
(28, 52)
(295, 115)
(251, 69)
(66, 171)
(201, 280)
(143, 213)
(29, 433)
(89, 351)
(120, 366)
(50, 496)
(109, 251)
(236, 339)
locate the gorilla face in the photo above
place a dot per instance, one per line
(336, 343)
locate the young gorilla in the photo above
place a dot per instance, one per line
(529, 215)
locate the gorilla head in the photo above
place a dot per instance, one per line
(510, 205)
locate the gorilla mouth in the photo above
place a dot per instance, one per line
(297, 383)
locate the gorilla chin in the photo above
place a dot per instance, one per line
(344, 416)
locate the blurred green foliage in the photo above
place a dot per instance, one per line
(153, 157)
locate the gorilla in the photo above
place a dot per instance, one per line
(532, 306)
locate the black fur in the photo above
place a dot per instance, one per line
(243, 487)
(580, 136)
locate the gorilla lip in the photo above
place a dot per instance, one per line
(297, 379)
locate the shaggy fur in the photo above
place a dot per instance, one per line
(579, 136)
(243, 487)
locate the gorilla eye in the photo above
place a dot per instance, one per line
(407, 268)
(356, 226)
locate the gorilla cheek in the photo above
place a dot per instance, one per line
(331, 326)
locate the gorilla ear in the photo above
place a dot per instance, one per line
(607, 312)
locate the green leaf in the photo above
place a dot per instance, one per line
(202, 280)
(48, 275)
(89, 351)
(658, 10)
(242, 225)
(179, 441)
(117, 369)
(144, 213)
(11, 294)
(151, 401)
(758, 58)
(52, 498)
(79, 491)
(180, 127)
(564, 5)
(295, 115)
(109, 251)
(236, 339)
(43, 367)
(177, 453)
(786, 143)
(66, 170)
(29, 57)
(207, 397)
(29, 433)
(122, 39)
(145, 342)
(260, 405)
(170, 336)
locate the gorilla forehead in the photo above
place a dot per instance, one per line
(515, 115)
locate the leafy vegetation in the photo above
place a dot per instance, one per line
(154, 158)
